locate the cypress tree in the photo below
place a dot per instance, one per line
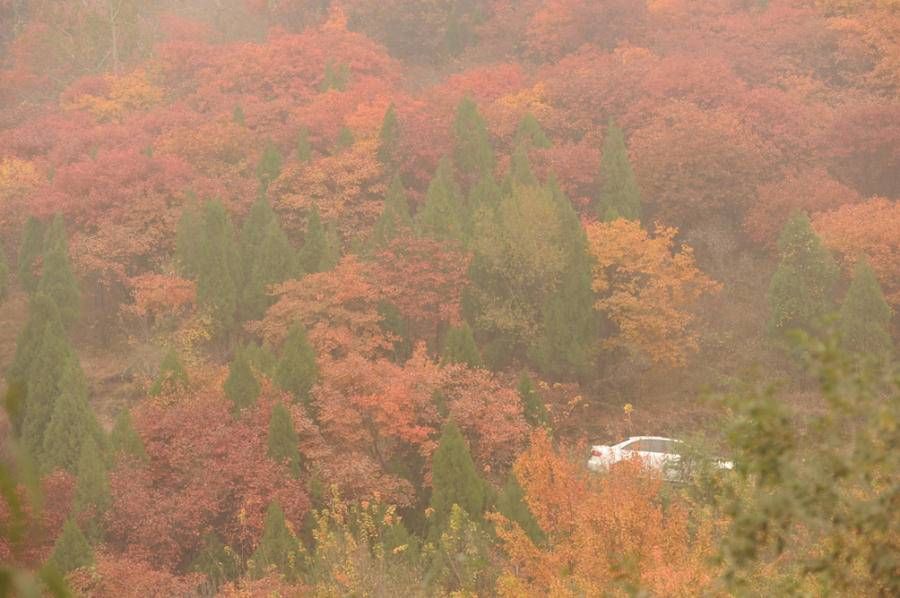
(71, 550)
(92, 496)
(511, 504)
(389, 138)
(441, 216)
(253, 231)
(344, 140)
(269, 166)
(283, 439)
(865, 317)
(71, 423)
(275, 262)
(124, 439)
(455, 480)
(800, 291)
(278, 549)
(4, 276)
(460, 347)
(220, 274)
(261, 358)
(237, 115)
(29, 250)
(304, 149)
(57, 278)
(320, 251)
(189, 241)
(172, 375)
(619, 196)
(241, 386)
(394, 217)
(520, 172)
(472, 151)
(533, 407)
(530, 132)
(297, 371)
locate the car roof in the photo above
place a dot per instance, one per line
(651, 438)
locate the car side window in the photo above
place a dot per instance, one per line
(657, 445)
(635, 445)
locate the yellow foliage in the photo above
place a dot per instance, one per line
(126, 93)
(17, 177)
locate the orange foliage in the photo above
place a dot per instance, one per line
(120, 576)
(647, 289)
(158, 294)
(119, 95)
(614, 532)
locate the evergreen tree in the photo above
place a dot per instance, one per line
(530, 133)
(460, 347)
(511, 504)
(92, 496)
(344, 140)
(4, 276)
(172, 375)
(124, 439)
(71, 423)
(472, 151)
(189, 240)
(304, 149)
(283, 439)
(533, 407)
(237, 115)
(220, 274)
(454, 479)
(275, 262)
(217, 562)
(29, 250)
(389, 138)
(57, 278)
(335, 77)
(394, 217)
(441, 215)
(320, 251)
(261, 358)
(241, 386)
(269, 166)
(253, 232)
(800, 290)
(71, 550)
(619, 195)
(865, 317)
(278, 549)
(520, 172)
(297, 371)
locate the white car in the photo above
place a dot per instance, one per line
(656, 452)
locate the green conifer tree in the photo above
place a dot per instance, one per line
(455, 480)
(92, 495)
(283, 439)
(278, 550)
(472, 151)
(619, 195)
(297, 370)
(262, 359)
(531, 133)
(344, 140)
(4, 276)
(389, 138)
(320, 252)
(71, 550)
(237, 115)
(189, 241)
(124, 439)
(394, 217)
(304, 149)
(460, 347)
(172, 375)
(441, 215)
(57, 278)
(520, 172)
(241, 386)
(865, 317)
(253, 231)
(269, 166)
(220, 274)
(533, 407)
(511, 504)
(275, 262)
(30, 249)
(71, 423)
(800, 290)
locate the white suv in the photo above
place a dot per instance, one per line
(656, 452)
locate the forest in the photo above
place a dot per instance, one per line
(334, 297)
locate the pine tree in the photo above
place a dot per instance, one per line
(253, 231)
(124, 439)
(472, 151)
(278, 549)
(30, 249)
(71, 423)
(460, 347)
(237, 115)
(172, 375)
(297, 371)
(304, 149)
(394, 217)
(274, 262)
(220, 275)
(344, 140)
(865, 317)
(57, 278)
(520, 172)
(619, 195)
(533, 407)
(389, 138)
(531, 133)
(71, 550)
(261, 358)
(4, 276)
(454, 479)
(441, 215)
(189, 241)
(511, 504)
(800, 290)
(320, 252)
(283, 439)
(269, 166)
(241, 386)
(92, 496)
